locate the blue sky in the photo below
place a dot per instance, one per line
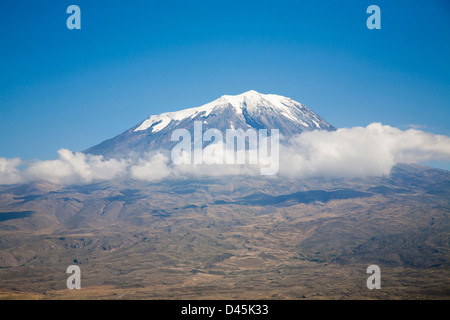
(72, 89)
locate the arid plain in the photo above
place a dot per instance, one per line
(229, 238)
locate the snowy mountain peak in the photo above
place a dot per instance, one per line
(245, 103)
(250, 109)
(252, 100)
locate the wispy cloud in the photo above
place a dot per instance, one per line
(417, 126)
(348, 152)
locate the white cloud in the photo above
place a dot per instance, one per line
(348, 152)
(73, 168)
(359, 151)
(9, 173)
(152, 168)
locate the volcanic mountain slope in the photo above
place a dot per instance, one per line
(230, 237)
(247, 110)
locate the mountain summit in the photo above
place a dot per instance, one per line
(250, 109)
